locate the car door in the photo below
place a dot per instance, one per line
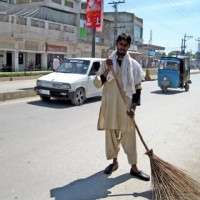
(92, 90)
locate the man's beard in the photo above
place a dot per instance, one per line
(120, 53)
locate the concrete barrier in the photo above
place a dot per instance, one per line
(17, 94)
(18, 78)
(151, 74)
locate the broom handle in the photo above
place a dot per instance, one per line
(123, 97)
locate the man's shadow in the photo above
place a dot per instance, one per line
(93, 187)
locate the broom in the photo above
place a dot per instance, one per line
(167, 181)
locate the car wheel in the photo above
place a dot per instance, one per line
(78, 97)
(45, 98)
(186, 86)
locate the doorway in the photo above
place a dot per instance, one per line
(9, 61)
(37, 61)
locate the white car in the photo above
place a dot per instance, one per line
(72, 80)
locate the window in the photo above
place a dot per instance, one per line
(21, 58)
(137, 31)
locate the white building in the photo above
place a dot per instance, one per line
(33, 32)
(37, 32)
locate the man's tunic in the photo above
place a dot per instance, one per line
(113, 110)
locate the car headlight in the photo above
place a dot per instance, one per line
(39, 83)
(66, 86)
(165, 78)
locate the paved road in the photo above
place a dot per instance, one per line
(53, 150)
(24, 88)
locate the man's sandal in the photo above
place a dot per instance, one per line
(111, 168)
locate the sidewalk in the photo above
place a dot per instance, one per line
(17, 89)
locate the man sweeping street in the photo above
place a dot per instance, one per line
(115, 116)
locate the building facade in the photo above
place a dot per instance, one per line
(33, 32)
(125, 22)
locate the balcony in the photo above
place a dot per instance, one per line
(27, 28)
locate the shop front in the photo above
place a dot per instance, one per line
(53, 51)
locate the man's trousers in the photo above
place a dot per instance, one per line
(128, 141)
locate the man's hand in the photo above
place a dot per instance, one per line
(109, 63)
(131, 112)
(109, 67)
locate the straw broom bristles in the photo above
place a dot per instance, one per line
(168, 182)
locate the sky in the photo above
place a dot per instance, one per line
(167, 20)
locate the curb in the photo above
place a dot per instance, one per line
(18, 78)
(17, 94)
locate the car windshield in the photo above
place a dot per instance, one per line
(169, 64)
(74, 66)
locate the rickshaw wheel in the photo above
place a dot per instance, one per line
(164, 90)
(186, 86)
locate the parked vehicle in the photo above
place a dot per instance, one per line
(174, 72)
(6, 68)
(72, 80)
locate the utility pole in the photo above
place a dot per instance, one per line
(182, 50)
(115, 6)
(150, 42)
(198, 54)
(93, 42)
(183, 46)
(198, 40)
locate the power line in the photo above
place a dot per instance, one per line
(183, 13)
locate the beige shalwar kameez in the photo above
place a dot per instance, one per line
(113, 118)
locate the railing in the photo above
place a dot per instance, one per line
(31, 28)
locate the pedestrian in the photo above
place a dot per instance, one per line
(56, 62)
(114, 117)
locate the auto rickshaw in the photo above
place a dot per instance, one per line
(174, 72)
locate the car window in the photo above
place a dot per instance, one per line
(74, 66)
(95, 68)
(65, 68)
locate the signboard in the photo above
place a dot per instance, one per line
(54, 48)
(94, 14)
(151, 53)
(83, 30)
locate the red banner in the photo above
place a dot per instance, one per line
(94, 13)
